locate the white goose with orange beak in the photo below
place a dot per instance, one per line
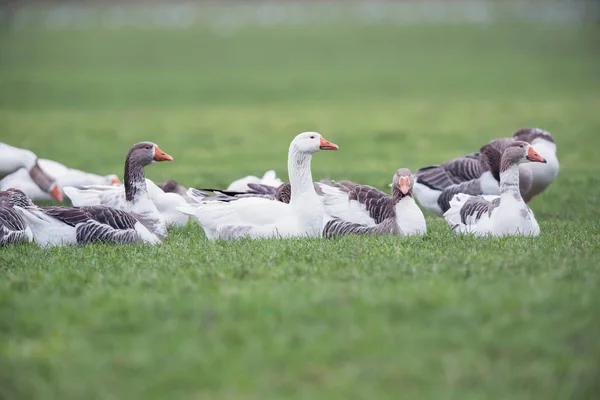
(507, 214)
(257, 217)
(365, 210)
(133, 196)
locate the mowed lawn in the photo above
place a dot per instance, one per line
(441, 316)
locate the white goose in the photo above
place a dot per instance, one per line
(478, 173)
(63, 175)
(133, 196)
(257, 217)
(13, 159)
(57, 226)
(365, 210)
(502, 215)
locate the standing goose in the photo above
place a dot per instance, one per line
(56, 226)
(507, 214)
(13, 159)
(13, 228)
(258, 217)
(478, 173)
(62, 175)
(364, 210)
(133, 197)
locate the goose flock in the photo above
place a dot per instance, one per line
(484, 193)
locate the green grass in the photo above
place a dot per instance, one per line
(441, 316)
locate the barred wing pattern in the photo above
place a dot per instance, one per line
(337, 228)
(100, 223)
(13, 228)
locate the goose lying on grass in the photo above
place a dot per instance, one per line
(507, 214)
(478, 173)
(133, 197)
(62, 175)
(258, 217)
(56, 226)
(365, 210)
(13, 159)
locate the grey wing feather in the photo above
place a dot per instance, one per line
(68, 215)
(459, 170)
(472, 187)
(337, 227)
(13, 228)
(93, 230)
(379, 204)
(476, 206)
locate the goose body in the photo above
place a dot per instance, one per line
(55, 226)
(133, 197)
(62, 175)
(258, 217)
(12, 159)
(506, 214)
(478, 173)
(362, 209)
(13, 228)
(114, 196)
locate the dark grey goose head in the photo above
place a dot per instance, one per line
(517, 153)
(140, 155)
(402, 184)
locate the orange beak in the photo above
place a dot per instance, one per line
(533, 156)
(56, 193)
(160, 155)
(404, 184)
(327, 145)
(115, 181)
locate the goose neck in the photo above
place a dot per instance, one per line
(299, 172)
(509, 179)
(134, 180)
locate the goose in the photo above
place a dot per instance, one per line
(506, 214)
(257, 217)
(63, 176)
(13, 228)
(478, 173)
(13, 159)
(57, 226)
(133, 196)
(363, 210)
(269, 178)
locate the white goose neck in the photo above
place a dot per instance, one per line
(509, 180)
(300, 173)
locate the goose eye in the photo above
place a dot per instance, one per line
(147, 147)
(312, 137)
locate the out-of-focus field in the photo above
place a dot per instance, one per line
(435, 317)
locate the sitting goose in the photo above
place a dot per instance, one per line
(62, 175)
(55, 226)
(133, 196)
(478, 173)
(13, 159)
(258, 217)
(13, 228)
(242, 184)
(364, 210)
(506, 214)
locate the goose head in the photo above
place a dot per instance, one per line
(520, 152)
(311, 142)
(145, 153)
(112, 179)
(402, 183)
